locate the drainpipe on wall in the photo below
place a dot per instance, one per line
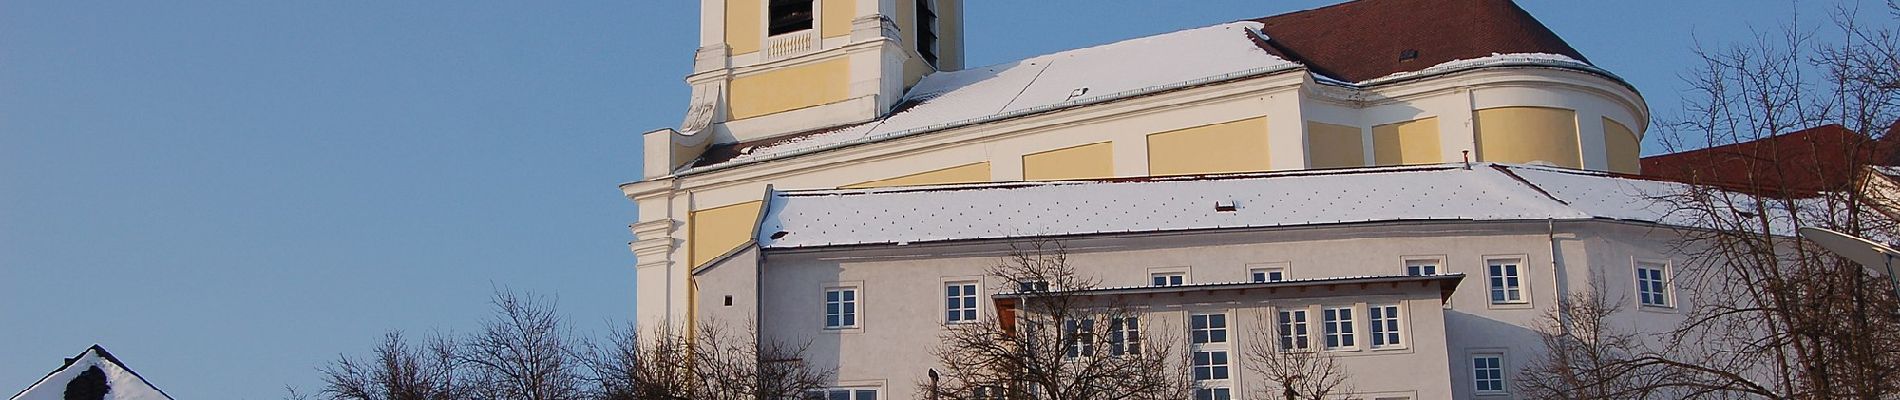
(1560, 277)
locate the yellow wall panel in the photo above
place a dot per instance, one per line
(744, 20)
(1238, 146)
(838, 15)
(718, 230)
(1410, 142)
(1625, 150)
(978, 172)
(1334, 146)
(789, 89)
(1089, 161)
(1528, 134)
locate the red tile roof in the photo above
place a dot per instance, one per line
(1365, 39)
(1798, 164)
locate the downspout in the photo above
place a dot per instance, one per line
(1560, 278)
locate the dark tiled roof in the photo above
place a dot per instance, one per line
(1795, 164)
(1364, 39)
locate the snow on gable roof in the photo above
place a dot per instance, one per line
(93, 371)
(997, 211)
(1064, 79)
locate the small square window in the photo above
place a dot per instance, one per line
(1487, 373)
(1208, 328)
(841, 308)
(1167, 279)
(1421, 267)
(1267, 274)
(960, 302)
(1505, 277)
(1210, 365)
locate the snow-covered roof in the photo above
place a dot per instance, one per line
(1450, 192)
(93, 371)
(1052, 81)
(1452, 278)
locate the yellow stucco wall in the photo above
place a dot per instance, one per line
(718, 230)
(1238, 146)
(969, 173)
(1526, 134)
(1087, 161)
(1334, 146)
(949, 34)
(838, 15)
(1624, 149)
(791, 88)
(1409, 142)
(744, 23)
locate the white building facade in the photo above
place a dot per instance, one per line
(866, 167)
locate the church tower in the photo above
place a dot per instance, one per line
(767, 68)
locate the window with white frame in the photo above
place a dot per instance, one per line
(988, 393)
(1292, 328)
(787, 16)
(959, 302)
(1652, 284)
(842, 394)
(1385, 325)
(1032, 287)
(1124, 336)
(1505, 276)
(1213, 393)
(1080, 334)
(1487, 373)
(1267, 274)
(1208, 328)
(841, 308)
(1421, 267)
(1210, 365)
(1337, 322)
(1167, 279)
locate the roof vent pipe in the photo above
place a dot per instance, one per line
(1225, 206)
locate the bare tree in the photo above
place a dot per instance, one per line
(1586, 357)
(1054, 341)
(1297, 369)
(396, 370)
(524, 352)
(713, 364)
(1770, 316)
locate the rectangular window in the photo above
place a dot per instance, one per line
(1032, 287)
(988, 393)
(842, 394)
(959, 302)
(1421, 267)
(1167, 279)
(1338, 324)
(1385, 325)
(1081, 337)
(1271, 274)
(1487, 373)
(1210, 365)
(1208, 328)
(1213, 393)
(1124, 336)
(1292, 327)
(1507, 286)
(789, 16)
(841, 308)
(927, 31)
(1652, 284)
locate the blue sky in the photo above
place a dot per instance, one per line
(227, 194)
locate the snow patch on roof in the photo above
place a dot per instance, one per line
(1433, 193)
(1494, 60)
(1069, 78)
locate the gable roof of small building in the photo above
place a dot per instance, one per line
(93, 371)
(1448, 37)
(1449, 192)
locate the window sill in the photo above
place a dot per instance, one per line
(1650, 308)
(1520, 305)
(844, 330)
